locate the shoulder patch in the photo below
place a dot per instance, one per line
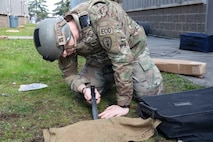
(107, 43)
(106, 31)
(84, 21)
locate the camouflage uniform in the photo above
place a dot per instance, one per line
(115, 50)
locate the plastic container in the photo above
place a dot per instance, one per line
(13, 21)
(196, 42)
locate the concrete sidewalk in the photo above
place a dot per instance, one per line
(16, 37)
(20, 37)
(169, 49)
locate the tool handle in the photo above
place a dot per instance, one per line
(94, 104)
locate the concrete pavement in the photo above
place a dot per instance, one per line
(169, 49)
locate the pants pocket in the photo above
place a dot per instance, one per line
(147, 79)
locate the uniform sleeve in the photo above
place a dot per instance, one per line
(113, 39)
(68, 67)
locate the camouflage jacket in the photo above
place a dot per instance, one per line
(107, 36)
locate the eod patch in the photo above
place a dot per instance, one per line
(106, 31)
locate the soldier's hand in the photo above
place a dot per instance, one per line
(88, 96)
(114, 111)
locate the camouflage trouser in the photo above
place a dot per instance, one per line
(147, 79)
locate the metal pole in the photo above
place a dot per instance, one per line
(9, 12)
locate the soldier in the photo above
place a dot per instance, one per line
(114, 47)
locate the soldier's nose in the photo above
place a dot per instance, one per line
(64, 54)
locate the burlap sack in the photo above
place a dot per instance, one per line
(116, 129)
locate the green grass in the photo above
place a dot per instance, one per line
(26, 30)
(23, 115)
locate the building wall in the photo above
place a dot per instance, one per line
(147, 4)
(14, 7)
(22, 20)
(4, 22)
(172, 21)
(169, 18)
(5, 8)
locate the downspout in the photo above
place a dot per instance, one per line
(209, 18)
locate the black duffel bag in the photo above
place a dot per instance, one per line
(186, 116)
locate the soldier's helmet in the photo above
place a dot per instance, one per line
(50, 37)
